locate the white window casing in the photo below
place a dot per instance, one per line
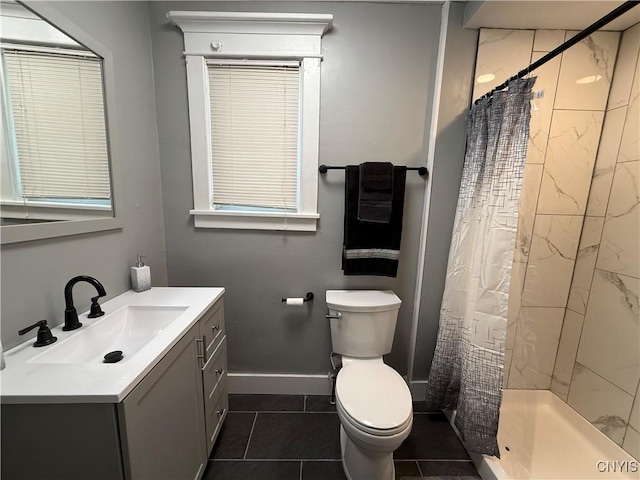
(253, 39)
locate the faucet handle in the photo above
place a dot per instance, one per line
(45, 337)
(95, 311)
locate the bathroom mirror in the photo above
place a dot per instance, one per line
(56, 148)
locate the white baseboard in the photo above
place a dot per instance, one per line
(279, 383)
(296, 384)
(418, 390)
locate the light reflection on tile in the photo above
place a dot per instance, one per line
(568, 168)
(609, 342)
(535, 347)
(508, 355)
(515, 299)
(551, 261)
(527, 211)
(625, 67)
(542, 108)
(606, 161)
(567, 350)
(619, 249)
(629, 146)
(585, 264)
(592, 58)
(602, 403)
(501, 52)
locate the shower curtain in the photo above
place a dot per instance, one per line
(466, 372)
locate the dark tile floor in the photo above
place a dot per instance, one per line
(296, 437)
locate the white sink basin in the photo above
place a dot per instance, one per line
(128, 329)
(145, 326)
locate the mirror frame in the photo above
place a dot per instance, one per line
(38, 231)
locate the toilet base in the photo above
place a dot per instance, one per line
(360, 465)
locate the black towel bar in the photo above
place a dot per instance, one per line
(422, 171)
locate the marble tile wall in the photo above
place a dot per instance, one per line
(573, 323)
(566, 126)
(599, 374)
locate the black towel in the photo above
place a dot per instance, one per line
(376, 192)
(372, 248)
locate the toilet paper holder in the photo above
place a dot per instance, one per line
(307, 298)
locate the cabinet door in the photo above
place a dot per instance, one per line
(162, 418)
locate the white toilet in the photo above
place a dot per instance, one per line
(372, 399)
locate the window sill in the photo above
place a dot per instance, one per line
(35, 210)
(300, 222)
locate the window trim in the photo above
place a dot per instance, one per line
(254, 36)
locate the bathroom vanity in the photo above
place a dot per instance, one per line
(153, 415)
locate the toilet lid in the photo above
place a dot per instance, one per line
(362, 300)
(374, 395)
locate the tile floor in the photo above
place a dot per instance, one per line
(296, 437)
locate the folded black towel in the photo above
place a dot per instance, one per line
(372, 248)
(376, 192)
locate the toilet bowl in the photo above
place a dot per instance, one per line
(373, 401)
(375, 411)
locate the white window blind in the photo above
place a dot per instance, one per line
(254, 135)
(59, 121)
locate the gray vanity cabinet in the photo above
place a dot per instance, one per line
(163, 429)
(214, 371)
(161, 420)
(170, 421)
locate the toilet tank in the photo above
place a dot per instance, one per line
(367, 321)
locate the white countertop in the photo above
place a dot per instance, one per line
(23, 382)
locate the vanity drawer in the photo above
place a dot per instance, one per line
(214, 373)
(215, 413)
(212, 326)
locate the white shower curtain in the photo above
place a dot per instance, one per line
(466, 372)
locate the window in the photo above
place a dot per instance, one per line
(55, 147)
(254, 108)
(254, 135)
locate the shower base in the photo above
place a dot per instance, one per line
(541, 437)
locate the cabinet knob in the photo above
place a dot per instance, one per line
(220, 412)
(215, 327)
(219, 371)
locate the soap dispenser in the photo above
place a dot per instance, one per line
(140, 276)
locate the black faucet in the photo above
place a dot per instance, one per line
(70, 315)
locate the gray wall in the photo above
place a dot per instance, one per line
(457, 84)
(377, 78)
(34, 273)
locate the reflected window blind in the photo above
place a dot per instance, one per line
(254, 135)
(58, 113)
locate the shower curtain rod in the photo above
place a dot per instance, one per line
(625, 7)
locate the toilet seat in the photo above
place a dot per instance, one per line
(374, 398)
